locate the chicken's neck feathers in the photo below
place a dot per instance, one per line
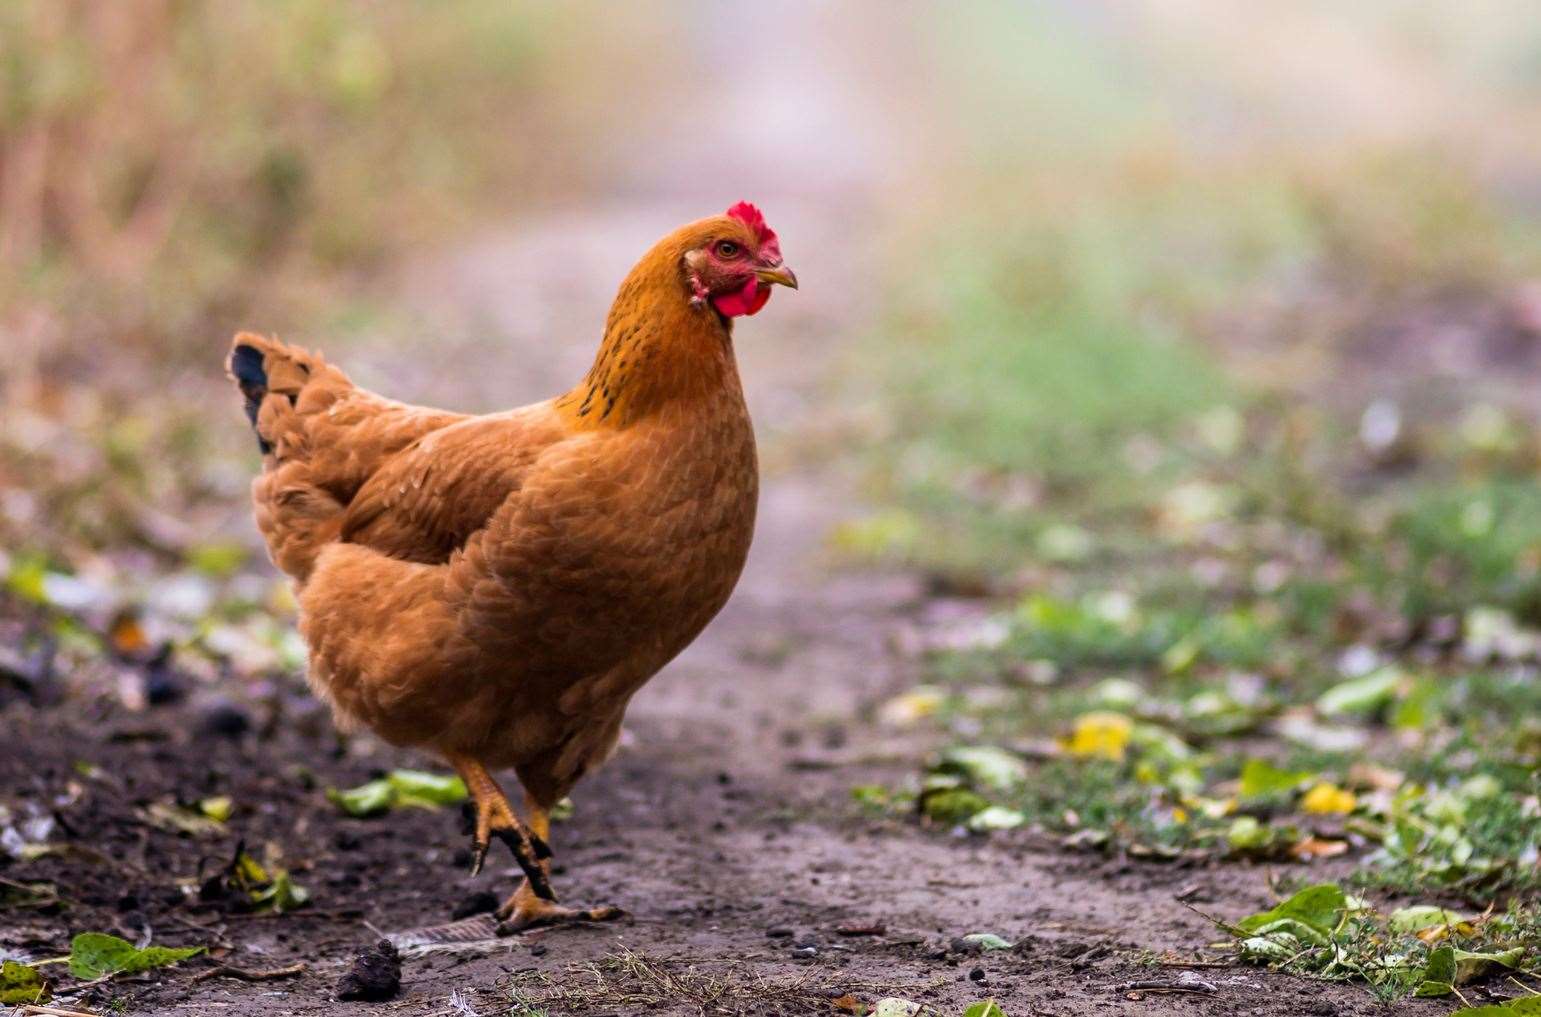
(659, 351)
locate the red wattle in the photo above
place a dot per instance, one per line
(748, 300)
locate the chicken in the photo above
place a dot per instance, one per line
(495, 589)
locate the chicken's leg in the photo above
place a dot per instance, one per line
(528, 908)
(495, 816)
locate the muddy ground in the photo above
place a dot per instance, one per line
(725, 828)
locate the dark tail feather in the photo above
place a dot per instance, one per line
(246, 365)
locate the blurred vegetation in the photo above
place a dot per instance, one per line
(165, 165)
(1227, 454)
(170, 171)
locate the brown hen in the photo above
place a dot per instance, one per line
(496, 588)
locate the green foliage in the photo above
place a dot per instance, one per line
(399, 789)
(1424, 951)
(1232, 568)
(262, 887)
(984, 1008)
(21, 983)
(94, 954)
(213, 152)
(1480, 539)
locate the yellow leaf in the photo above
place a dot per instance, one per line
(912, 707)
(1328, 799)
(1100, 735)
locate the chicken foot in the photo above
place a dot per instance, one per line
(527, 909)
(494, 816)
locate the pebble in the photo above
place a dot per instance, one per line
(223, 717)
(374, 976)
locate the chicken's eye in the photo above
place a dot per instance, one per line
(727, 249)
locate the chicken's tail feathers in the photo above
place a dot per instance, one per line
(261, 367)
(283, 387)
(245, 367)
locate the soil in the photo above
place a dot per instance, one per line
(725, 828)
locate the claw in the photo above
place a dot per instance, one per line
(478, 856)
(526, 853)
(494, 816)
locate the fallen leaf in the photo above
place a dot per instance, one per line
(984, 1008)
(369, 799)
(911, 707)
(1361, 695)
(1449, 967)
(1100, 735)
(985, 766)
(1419, 917)
(1318, 847)
(398, 789)
(1309, 914)
(987, 941)
(419, 789)
(21, 983)
(218, 808)
(1328, 799)
(995, 817)
(951, 804)
(173, 818)
(94, 954)
(1261, 779)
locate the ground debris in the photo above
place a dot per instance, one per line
(250, 975)
(374, 976)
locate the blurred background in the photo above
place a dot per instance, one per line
(1239, 304)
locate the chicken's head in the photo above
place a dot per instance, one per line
(732, 261)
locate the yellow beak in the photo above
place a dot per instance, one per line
(779, 274)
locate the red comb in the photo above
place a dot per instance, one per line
(750, 216)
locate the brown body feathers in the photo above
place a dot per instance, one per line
(499, 586)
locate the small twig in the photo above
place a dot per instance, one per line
(1159, 986)
(1522, 985)
(45, 897)
(247, 975)
(55, 1011)
(1220, 923)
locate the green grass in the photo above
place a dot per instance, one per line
(1227, 626)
